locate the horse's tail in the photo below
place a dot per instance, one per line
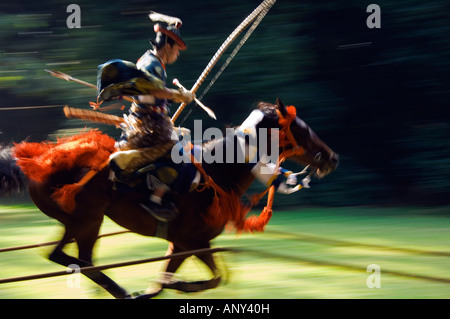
(11, 178)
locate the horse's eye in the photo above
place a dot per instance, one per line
(318, 157)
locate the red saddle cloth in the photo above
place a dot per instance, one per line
(39, 160)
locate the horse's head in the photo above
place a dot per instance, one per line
(298, 141)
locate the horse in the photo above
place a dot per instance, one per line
(194, 227)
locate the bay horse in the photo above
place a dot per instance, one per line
(192, 229)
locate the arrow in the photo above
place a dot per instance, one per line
(69, 78)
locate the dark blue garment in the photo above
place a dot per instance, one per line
(150, 64)
(116, 71)
(116, 78)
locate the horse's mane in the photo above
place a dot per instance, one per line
(269, 109)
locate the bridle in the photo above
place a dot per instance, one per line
(290, 148)
(287, 141)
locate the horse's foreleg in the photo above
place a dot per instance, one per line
(208, 260)
(166, 280)
(194, 286)
(172, 265)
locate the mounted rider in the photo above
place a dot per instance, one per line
(147, 131)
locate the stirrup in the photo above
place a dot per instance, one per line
(165, 212)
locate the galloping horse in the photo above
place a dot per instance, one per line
(192, 229)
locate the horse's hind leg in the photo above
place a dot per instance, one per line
(58, 256)
(85, 246)
(85, 242)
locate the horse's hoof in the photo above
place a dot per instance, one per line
(193, 286)
(143, 295)
(149, 293)
(147, 296)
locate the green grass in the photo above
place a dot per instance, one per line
(307, 253)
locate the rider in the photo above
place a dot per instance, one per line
(147, 129)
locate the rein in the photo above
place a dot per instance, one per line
(254, 223)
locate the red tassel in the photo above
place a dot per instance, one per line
(65, 197)
(227, 208)
(258, 223)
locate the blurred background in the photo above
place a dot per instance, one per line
(378, 97)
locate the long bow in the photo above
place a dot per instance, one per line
(261, 9)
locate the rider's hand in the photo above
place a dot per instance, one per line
(182, 96)
(187, 96)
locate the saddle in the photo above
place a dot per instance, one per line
(163, 172)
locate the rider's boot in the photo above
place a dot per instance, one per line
(162, 208)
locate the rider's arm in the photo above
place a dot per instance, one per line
(177, 96)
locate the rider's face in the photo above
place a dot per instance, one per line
(173, 52)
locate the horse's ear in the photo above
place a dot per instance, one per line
(281, 107)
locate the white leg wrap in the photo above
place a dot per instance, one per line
(265, 172)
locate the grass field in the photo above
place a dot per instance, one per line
(306, 253)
